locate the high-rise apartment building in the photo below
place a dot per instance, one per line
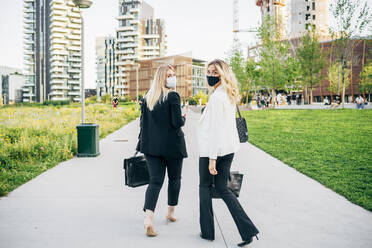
(138, 36)
(294, 17)
(105, 65)
(52, 50)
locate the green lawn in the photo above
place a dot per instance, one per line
(333, 147)
(36, 138)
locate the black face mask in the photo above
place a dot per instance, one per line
(212, 81)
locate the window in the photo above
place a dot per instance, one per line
(313, 5)
(313, 17)
(307, 17)
(308, 8)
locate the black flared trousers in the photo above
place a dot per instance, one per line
(157, 167)
(245, 226)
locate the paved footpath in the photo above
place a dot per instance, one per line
(83, 203)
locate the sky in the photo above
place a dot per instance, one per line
(203, 27)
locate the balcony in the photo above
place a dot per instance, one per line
(76, 43)
(58, 52)
(73, 82)
(125, 17)
(121, 86)
(58, 69)
(29, 10)
(57, 93)
(28, 41)
(153, 53)
(57, 1)
(128, 39)
(135, 57)
(128, 28)
(74, 37)
(29, 52)
(58, 58)
(151, 48)
(135, 10)
(57, 35)
(56, 6)
(57, 46)
(57, 24)
(29, 21)
(28, 31)
(59, 41)
(59, 98)
(29, 95)
(74, 26)
(134, 22)
(72, 93)
(74, 71)
(59, 18)
(134, 33)
(150, 36)
(57, 13)
(125, 51)
(73, 14)
(55, 75)
(76, 65)
(71, 59)
(57, 82)
(59, 87)
(76, 32)
(29, 63)
(74, 48)
(58, 30)
(76, 20)
(124, 63)
(122, 74)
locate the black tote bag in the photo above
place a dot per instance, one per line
(241, 125)
(234, 184)
(136, 171)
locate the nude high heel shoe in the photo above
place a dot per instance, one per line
(148, 223)
(169, 216)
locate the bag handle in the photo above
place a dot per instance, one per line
(135, 154)
(240, 116)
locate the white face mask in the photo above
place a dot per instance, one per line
(171, 82)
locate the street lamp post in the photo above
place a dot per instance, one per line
(87, 134)
(137, 85)
(82, 4)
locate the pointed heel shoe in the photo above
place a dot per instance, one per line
(150, 231)
(246, 242)
(170, 218)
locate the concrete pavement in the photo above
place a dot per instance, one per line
(83, 203)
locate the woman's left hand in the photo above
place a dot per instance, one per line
(212, 167)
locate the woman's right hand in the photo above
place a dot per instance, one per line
(212, 167)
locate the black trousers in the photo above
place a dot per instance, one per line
(244, 224)
(157, 167)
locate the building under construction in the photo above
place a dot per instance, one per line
(294, 17)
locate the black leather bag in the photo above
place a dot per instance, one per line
(234, 184)
(241, 125)
(136, 171)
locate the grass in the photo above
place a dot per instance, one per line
(332, 147)
(36, 138)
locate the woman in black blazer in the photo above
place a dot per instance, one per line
(162, 141)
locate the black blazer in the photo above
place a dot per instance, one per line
(160, 132)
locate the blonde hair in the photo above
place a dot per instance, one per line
(228, 80)
(158, 88)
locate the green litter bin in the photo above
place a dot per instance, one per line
(88, 140)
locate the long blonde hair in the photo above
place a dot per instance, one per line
(228, 79)
(158, 88)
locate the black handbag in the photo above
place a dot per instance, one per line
(234, 184)
(241, 125)
(136, 171)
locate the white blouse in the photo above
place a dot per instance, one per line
(217, 132)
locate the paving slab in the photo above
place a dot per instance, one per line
(83, 203)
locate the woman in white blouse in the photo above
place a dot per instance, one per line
(218, 141)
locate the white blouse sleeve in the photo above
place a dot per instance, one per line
(214, 118)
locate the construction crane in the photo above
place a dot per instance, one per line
(236, 29)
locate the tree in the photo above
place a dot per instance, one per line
(273, 57)
(246, 72)
(352, 17)
(202, 96)
(311, 61)
(334, 77)
(365, 84)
